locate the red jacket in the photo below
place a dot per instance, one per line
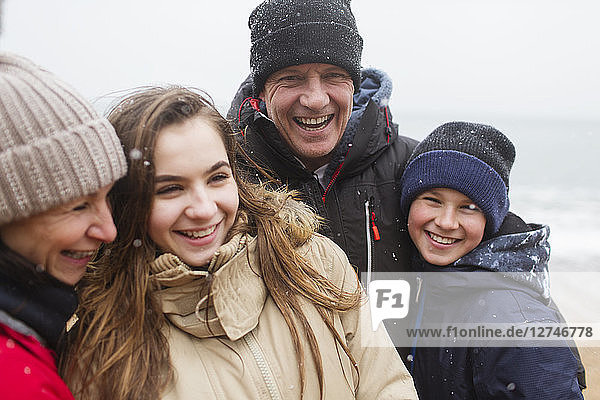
(28, 369)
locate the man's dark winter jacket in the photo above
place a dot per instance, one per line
(503, 280)
(361, 203)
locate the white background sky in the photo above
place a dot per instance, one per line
(454, 59)
(517, 64)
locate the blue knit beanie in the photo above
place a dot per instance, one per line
(471, 158)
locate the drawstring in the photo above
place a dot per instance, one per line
(374, 227)
(387, 123)
(376, 236)
(255, 103)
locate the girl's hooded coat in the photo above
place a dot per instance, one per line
(237, 344)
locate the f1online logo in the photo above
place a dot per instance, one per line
(389, 299)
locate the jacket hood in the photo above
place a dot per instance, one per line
(369, 102)
(522, 257)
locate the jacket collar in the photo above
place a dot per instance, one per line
(37, 304)
(237, 292)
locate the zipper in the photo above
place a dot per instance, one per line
(335, 174)
(419, 285)
(369, 247)
(262, 365)
(370, 226)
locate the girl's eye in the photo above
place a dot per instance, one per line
(220, 177)
(167, 189)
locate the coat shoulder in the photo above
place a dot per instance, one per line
(330, 260)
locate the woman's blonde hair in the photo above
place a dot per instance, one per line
(120, 351)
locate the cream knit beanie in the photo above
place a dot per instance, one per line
(54, 147)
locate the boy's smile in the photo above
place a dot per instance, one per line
(444, 225)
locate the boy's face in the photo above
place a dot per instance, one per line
(445, 225)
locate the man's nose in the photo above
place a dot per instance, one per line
(315, 94)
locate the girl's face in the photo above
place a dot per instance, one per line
(444, 225)
(64, 239)
(195, 195)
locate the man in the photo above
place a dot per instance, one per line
(320, 125)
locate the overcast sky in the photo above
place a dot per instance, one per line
(462, 59)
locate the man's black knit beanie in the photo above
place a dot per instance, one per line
(294, 32)
(471, 158)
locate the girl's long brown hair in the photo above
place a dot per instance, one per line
(120, 351)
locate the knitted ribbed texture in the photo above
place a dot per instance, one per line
(471, 158)
(54, 147)
(294, 32)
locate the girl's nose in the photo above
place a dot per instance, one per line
(201, 206)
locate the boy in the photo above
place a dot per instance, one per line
(455, 195)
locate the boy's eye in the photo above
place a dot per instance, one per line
(471, 207)
(431, 199)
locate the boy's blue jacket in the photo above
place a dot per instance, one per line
(483, 372)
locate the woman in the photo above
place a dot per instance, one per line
(215, 288)
(58, 160)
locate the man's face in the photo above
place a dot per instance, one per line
(310, 105)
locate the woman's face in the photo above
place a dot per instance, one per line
(63, 240)
(195, 195)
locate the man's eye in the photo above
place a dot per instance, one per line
(338, 75)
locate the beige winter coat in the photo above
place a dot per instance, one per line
(245, 351)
